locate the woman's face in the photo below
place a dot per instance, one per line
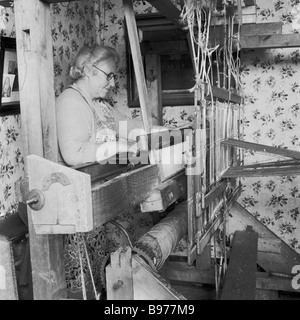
(99, 85)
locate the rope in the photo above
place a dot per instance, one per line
(82, 242)
(97, 296)
(119, 226)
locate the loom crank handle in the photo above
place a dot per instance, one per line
(36, 199)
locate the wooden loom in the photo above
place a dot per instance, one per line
(57, 192)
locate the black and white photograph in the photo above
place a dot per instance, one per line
(150, 151)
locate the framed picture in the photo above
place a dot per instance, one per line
(9, 84)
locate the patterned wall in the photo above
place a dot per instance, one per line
(11, 144)
(272, 118)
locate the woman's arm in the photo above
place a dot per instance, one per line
(129, 129)
(75, 129)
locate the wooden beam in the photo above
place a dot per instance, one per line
(215, 192)
(175, 271)
(271, 245)
(203, 260)
(268, 164)
(249, 2)
(262, 294)
(130, 278)
(165, 47)
(223, 94)
(149, 285)
(119, 279)
(123, 193)
(240, 278)
(240, 218)
(265, 281)
(104, 172)
(168, 9)
(271, 41)
(149, 20)
(245, 171)
(165, 194)
(254, 29)
(138, 64)
(157, 22)
(181, 271)
(174, 97)
(177, 99)
(153, 77)
(262, 148)
(71, 203)
(217, 33)
(212, 228)
(37, 100)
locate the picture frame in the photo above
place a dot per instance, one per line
(9, 84)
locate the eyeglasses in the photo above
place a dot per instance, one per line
(109, 76)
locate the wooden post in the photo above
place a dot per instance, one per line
(138, 64)
(240, 280)
(153, 77)
(119, 275)
(8, 282)
(203, 260)
(36, 79)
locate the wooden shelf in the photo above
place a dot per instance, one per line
(270, 41)
(186, 98)
(226, 95)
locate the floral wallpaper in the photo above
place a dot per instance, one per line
(73, 25)
(11, 144)
(272, 118)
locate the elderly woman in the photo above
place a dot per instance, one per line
(88, 131)
(88, 127)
